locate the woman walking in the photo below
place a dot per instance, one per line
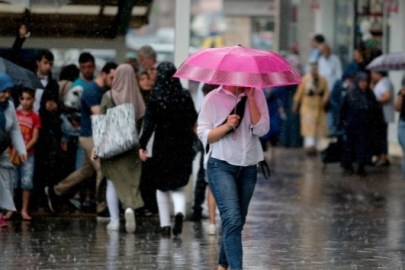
(10, 127)
(123, 172)
(234, 152)
(313, 95)
(171, 115)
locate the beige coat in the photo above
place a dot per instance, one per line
(312, 112)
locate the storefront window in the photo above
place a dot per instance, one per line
(344, 29)
(370, 24)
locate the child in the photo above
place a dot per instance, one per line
(29, 124)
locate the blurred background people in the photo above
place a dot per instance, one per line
(312, 95)
(384, 92)
(359, 114)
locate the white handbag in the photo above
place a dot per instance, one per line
(115, 132)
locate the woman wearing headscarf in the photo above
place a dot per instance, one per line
(171, 115)
(123, 171)
(9, 124)
(48, 165)
(359, 117)
(312, 95)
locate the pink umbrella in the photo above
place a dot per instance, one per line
(238, 66)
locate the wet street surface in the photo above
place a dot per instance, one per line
(303, 217)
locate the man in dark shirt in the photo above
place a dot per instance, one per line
(90, 105)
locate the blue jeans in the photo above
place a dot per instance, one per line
(23, 174)
(401, 139)
(232, 187)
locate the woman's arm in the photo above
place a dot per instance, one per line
(399, 101)
(298, 97)
(259, 112)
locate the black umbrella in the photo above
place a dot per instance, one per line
(20, 75)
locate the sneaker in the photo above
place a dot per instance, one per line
(212, 229)
(76, 203)
(3, 223)
(130, 224)
(103, 216)
(52, 198)
(178, 224)
(113, 226)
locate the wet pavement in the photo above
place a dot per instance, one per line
(303, 217)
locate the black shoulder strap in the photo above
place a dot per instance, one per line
(240, 110)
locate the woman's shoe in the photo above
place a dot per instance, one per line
(113, 226)
(166, 231)
(130, 224)
(212, 229)
(178, 224)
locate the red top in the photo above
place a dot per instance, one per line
(28, 122)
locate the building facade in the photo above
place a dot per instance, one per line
(376, 24)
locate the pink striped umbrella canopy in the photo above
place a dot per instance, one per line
(386, 62)
(238, 66)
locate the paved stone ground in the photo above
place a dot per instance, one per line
(303, 217)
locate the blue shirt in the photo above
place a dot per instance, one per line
(92, 96)
(80, 82)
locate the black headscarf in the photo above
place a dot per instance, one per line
(167, 91)
(49, 119)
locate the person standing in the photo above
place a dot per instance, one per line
(339, 91)
(234, 150)
(123, 172)
(90, 105)
(384, 92)
(23, 173)
(330, 67)
(316, 42)
(9, 124)
(171, 116)
(147, 58)
(148, 189)
(400, 107)
(312, 95)
(87, 66)
(359, 113)
(44, 66)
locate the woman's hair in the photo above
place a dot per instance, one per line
(144, 73)
(208, 88)
(69, 73)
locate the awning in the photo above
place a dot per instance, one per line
(95, 18)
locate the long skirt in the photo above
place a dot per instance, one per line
(6, 189)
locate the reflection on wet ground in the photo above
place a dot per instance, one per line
(301, 218)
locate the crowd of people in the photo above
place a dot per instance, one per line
(354, 105)
(52, 157)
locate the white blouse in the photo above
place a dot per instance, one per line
(241, 147)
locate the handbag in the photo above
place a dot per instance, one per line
(5, 140)
(115, 132)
